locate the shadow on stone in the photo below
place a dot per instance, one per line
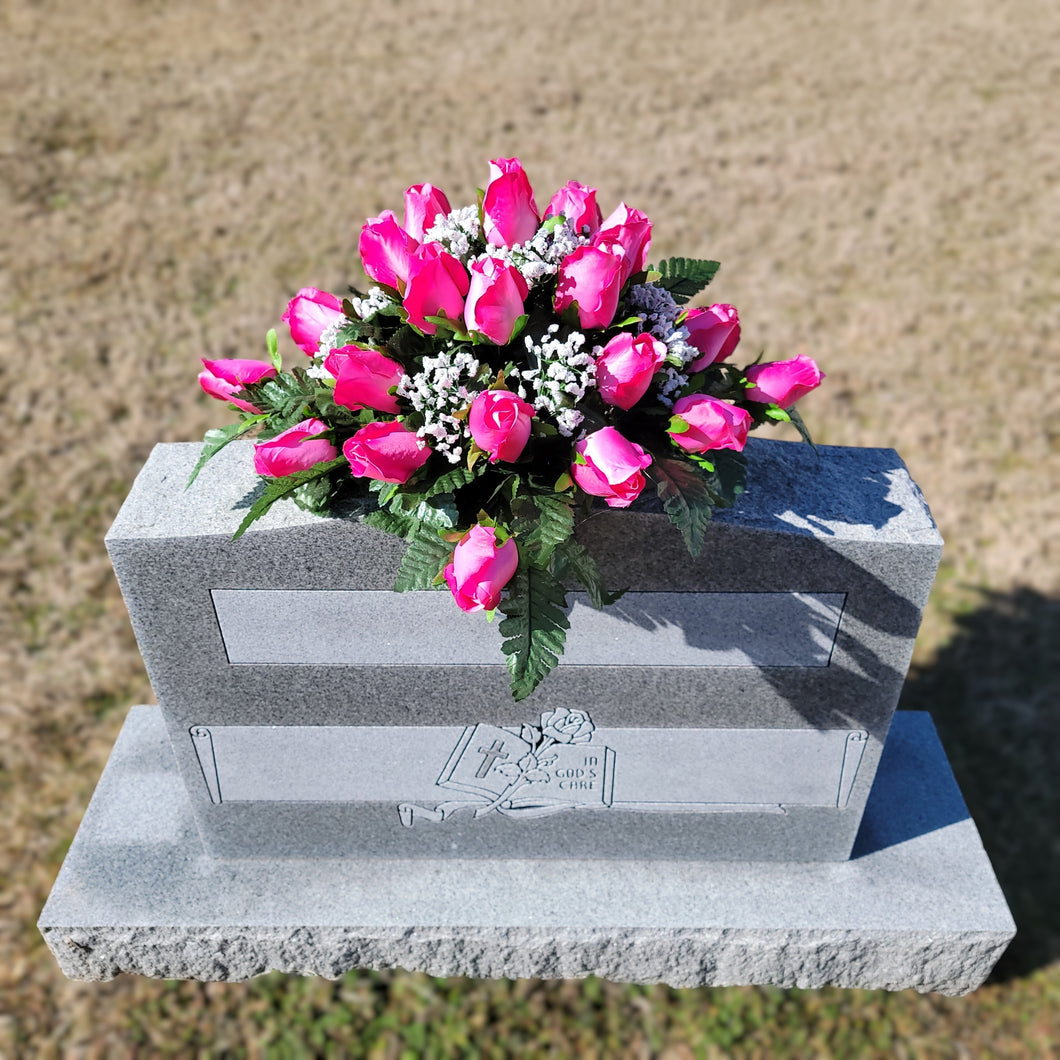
(906, 799)
(993, 693)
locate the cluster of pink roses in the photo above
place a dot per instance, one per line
(482, 298)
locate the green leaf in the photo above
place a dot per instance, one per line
(778, 414)
(535, 628)
(729, 478)
(275, 488)
(450, 482)
(684, 277)
(517, 327)
(424, 558)
(272, 346)
(314, 496)
(800, 426)
(217, 438)
(555, 524)
(685, 498)
(438, 512)
(573, 557)
(387, 521)
(287, 395)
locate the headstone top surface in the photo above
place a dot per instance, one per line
(844, 493)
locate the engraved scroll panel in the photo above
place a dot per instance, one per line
(642, 770)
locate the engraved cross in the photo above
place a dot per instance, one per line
(492, 754)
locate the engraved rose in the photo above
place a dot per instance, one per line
(567, 726)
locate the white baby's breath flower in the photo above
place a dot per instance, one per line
(457, 232)
(329, 338)
(317, 371)
(559, 376)
(444, 386)
(368, 306)
(656, 308)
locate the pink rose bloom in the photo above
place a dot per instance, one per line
(495, 299)
(712, 424)
(577, 204)
(509, 212)
(625, 367)
(591, 276)
(713, 331)
(364, 378)
(499, 422)
(387, 451)
(385, 249)
(783, 382)
(226, 377)
(437, 284)
(423, 204)
(632, 230)
(612, 467)
(308, 314)
(296, 449)
(481, 569)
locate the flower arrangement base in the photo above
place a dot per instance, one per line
(917, 907)
(730, 707)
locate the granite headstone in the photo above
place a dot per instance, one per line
(729, 707)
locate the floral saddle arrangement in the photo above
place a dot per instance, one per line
(506, 369)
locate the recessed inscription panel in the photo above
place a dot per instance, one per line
(562, 762)
(379, 628)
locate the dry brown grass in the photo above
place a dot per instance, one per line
(880, 182)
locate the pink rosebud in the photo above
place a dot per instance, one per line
(509, 212)
(226, 377)
(387, 451)
(308, 314)
(712, 424)
(495, 299)
(423, 204)
(437, 284)
(577, 204)
(713, 331)
(783, 382)
(481, 569)
(612, 467)
(364, 378)
(632, 230)
(591, 276)
(385, 249)
(499, 422)
(625, 367)
(296, 449)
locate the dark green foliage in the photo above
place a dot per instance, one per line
(450, 482)
(275, 488)
(800, 426)
(686, 499)
(425, 556)
(217, 438)
(535, 627)
(685, 277)
(728, 479)
(574, 558)
(554, 523)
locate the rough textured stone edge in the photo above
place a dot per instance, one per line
(950, 952)
(952, 964)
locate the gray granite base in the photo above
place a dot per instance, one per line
(917, 906)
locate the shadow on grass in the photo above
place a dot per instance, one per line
(993, 692)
